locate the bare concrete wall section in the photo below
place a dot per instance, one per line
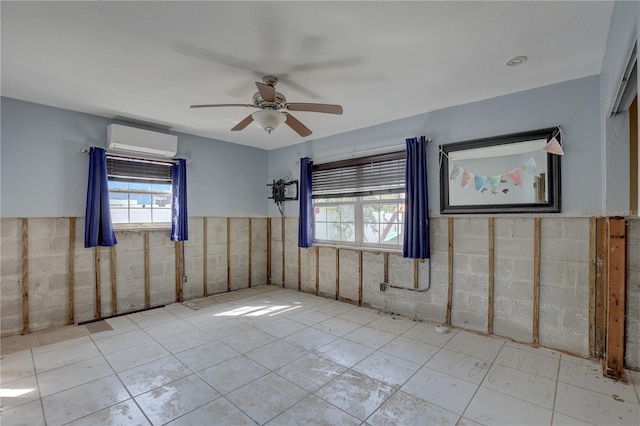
(130, 270)
(308, 270)
(436, 307)
(328, 273)
(632, 333)
(291, 252)
(372, 276)
(564, 284)
(11, 276)
(276, 251)
(162, 283)
(216, 255)
(105, 281)
(513, 278)
(84, 287)
(239, 251)
(258, 251)
(193, 252)
(349, 285)
(470, 276)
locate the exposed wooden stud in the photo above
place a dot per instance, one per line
(179, 271)
(205, 255)
(592, 287)
(268, 250)
(299, 270)
(337, 274)
(25, 276)
(147, 272)
(601, 286)
(250, 237)
(536, 280)
(317, 270)
(616, 298)
(114, 282)
(283, 251)
(71, 271)
(415, 273)
(450, 275)
(96, 264)
(360, 278)
(386, 268)
(228, 254)
(490, 303)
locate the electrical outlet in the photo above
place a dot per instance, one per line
(383, 286)
(184, 278)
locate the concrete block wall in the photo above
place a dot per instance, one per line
(632, 352)
(48, 274)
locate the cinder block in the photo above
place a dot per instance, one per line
(349, 284)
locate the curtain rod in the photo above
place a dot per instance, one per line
(355, 153)
(189, 163)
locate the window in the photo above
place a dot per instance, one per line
(360, 201)
(139, 191)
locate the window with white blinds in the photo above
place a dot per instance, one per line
(124, 169)
(372, 175)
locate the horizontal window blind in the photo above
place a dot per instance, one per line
(372, 175)
(137, 170)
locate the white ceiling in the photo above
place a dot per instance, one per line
(148, 61)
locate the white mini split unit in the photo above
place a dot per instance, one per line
(139, 142)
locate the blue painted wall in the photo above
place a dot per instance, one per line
(44, 174)
(574, 105)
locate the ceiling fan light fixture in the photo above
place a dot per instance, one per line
(269, 119)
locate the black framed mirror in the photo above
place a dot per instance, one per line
(502, 174)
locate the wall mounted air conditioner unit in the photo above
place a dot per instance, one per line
(139, 142)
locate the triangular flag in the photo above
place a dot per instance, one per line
(553, 147)
(515, 175)
(494, 182)
(455, 172)
(466, 178)
(531, 167)
(479, 181)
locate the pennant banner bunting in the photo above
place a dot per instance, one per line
(466, 178)
(515, 175)
(455, 172)
(531, 167)
(479, 182)
(494, 182)
(553, 147)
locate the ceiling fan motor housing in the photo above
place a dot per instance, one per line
(279, 103)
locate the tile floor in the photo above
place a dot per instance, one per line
(288, 358)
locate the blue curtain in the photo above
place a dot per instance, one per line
(98, 230)
(305, 230)
(179, 217)
(416, 203)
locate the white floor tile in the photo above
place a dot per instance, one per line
(474, 345)
(310, 338)
(392, 324)
(492, 408)
(595, 407)
(522, 385)
(18, 392)
(125, 413)
(314, 411)
(440, 389)
(459, 365)
(222, 329)
(386, 368)
(23, 415)
(67, 377)
(122, 341)
(248, 340)
(588, 375)
(425, 332)
(14, 356)
(152, 317)
(356, 394)
(16, 369)
(560, 419)
(371, 337)
(232, 374)
(66, 356)
(119, 325)
(404, 409)
(168, 402)
(266, 397)
(336, 326)
(206, 355)
(281, 327)
(136, 355)
(61, 345)
(153, 374)
(276, 354)
(183, 341)
(83, 400)
(411, 350)
(169, 328)
(311, 372)
(307, 317)
(335, 308)
(530, 360)
(344, 352)
(219, 412)
(361, 316)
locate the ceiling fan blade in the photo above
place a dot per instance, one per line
(267, 92)
(297, 126)
(244, 123)
(326, 108)
(220, 105)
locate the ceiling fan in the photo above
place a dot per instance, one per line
(269, 103)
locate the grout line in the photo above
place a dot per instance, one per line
(555, 396)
